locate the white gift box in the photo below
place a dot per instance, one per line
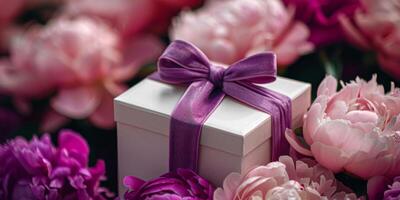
(234, 138)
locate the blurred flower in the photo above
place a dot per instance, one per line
(38, 170)
(228, 31)
(377, 28)
(381, 188)
(182, 185)
(130, 17)
(356, 129)
(285, 179)
(321, 16)
(9, 10)
(81, 61)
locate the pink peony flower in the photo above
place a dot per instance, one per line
(377, 28)
(80, 61)
(356, 129)
(130, 17)
(38, 170)
(228, 31)
(285, 179)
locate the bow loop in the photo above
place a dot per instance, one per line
(259, 68)
(183, 63)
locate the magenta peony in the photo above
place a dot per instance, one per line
(182, 185)
(85, 72)
(377, 28)
(38, 170)
(322, 18)
(356, 129)
(227, 31)
(285, 179)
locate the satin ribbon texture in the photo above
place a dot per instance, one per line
(184, 64)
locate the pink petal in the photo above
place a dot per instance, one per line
(371, 157)
(133, 183)
(376, 186)
(337, 110)
(352, 34)
(312, 120)
(15, 81)
(329, 157)
(103, 117)
(77, 103)
(290, 166)
(231, 183)
(114, 89)
(363, 116)
(328, 86)
(273, 169)
(223, 51)
(219, 194)
(294, 44)
(137, 52)
(295, 143)
(72, 141)
(365, 166)
(262, 184)
(52, 121)
(333, 133)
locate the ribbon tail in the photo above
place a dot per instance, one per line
(273, 103)
(188, 117)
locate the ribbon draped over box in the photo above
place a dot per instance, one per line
(183, 63)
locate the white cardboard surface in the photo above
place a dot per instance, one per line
(149, 104)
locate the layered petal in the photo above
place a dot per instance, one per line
(78, 102)
(220, 27)
(285, 179)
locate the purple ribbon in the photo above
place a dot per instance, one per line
(183, 63)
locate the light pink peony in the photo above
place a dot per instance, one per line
(228, 31)
(377, 28)
(80, 61)
(356, 129)
(283, 180)
(130, 16)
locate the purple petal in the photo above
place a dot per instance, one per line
(133, 183)
(73, 142)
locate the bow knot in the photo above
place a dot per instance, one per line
(216, 76)
(183, 63)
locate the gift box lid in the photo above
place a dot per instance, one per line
(233, 127)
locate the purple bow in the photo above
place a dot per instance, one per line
(183, 63)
